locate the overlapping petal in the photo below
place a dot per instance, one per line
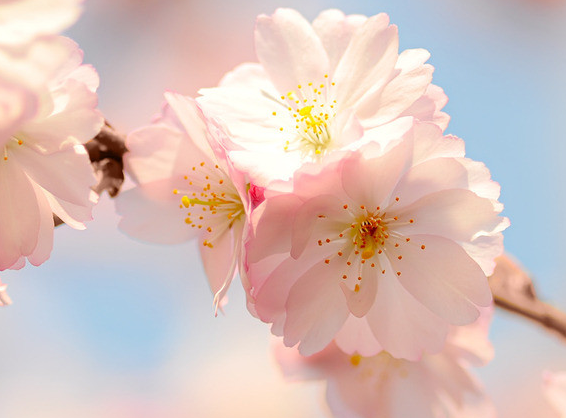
(396, 237)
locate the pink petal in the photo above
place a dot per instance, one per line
(74, 118)
(221, 260)
(4, 298)
(427, 107)
(274, 276)
(249, 75)
(87, 75)
(368, 61)
(457, 214)
(484, 250)
(20, 214)
(401, 92)
(35, 64)
(289, 50)
(44, 245)
(429, 177)
(357, 337)
(401, 324)
(383, 171)
(316, 311)
(51, 172)
(16, 106)
(159, 152)
(430, 143)
(442, 277)
(142, 206)
(362, 297)
(193, 121)
(272, 223)
(73, 215)
(307, 220)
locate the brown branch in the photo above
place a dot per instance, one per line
(513, 290)
(105, 151)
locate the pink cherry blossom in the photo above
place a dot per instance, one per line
(186, 189)
(44, 169)
(381, 249)
(318, 88)
(4, 298)
(554, 389)
(381, 386)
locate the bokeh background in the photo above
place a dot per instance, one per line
(110, 327)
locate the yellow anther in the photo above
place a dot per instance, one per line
(355, 359)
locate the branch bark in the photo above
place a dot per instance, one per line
(105, 151)
(513, 291)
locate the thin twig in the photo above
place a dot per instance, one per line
(105, 151)
(513, 290)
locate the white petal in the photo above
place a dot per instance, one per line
(290, 50)
(335, 30)
(368, 62)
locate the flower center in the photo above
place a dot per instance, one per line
(213, 200)
(313, 110)
(370, 240)
(12, 141)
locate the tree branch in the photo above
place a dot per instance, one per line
(513, 290)
(105, 151)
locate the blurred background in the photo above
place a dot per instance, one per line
(110, 327)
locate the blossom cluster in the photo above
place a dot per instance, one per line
(322, 174)
(48, 104)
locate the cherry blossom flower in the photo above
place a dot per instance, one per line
(437, 386)
(186, 189)
(554, 388)
(44, 169)
(23, 20)
(382, 249)
(318, 88)
(4, 298)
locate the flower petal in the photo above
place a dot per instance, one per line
(20, 220)
(316, 311)
(368, 62)
(289, 50)
(401, 324)
(335, 30)
(401, 92)
(220, 261)
(442, 277)
(42, 250)
(427, 107)
(51, 172)
(357, 337)
(370, 181)
(151, 213)
(457, 214)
